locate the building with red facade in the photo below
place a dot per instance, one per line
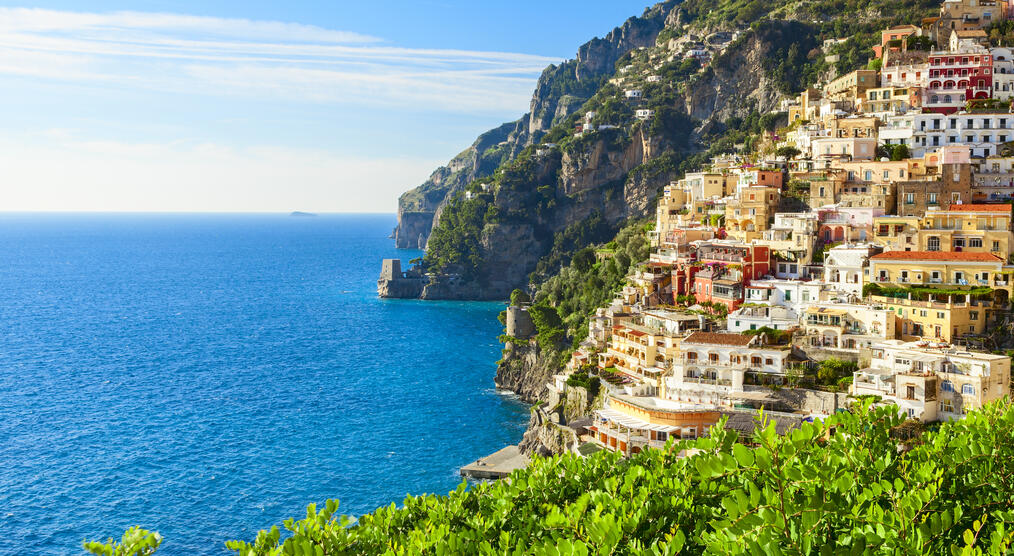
(958, 76)
(723, 269)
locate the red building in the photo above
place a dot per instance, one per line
(958, 76)
(725, 269)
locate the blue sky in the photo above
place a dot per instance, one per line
(262, 106)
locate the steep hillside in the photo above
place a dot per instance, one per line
(560, 91)
(556, 191)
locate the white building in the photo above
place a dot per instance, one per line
(794, 295)
(907, 75)
(983, 133)
(749, 317)
(1003, 73)
(632, 93)
(802, 138)
(933, 382)
(711, 366)
(844, 266)
(644, 114)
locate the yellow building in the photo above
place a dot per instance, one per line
(750, 213)
(671, 206)
(889, 100)
(962, 228)
(937, 268)
(942, 321)
(896, 233)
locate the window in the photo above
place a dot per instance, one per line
(909, 392)
(967, 390)
(868, 175)
(975, 242)
(947, 406)
(909, 198)
(922, 313)
(946, 386)
(932, 198)
(973, 315)
(788, 296)
(887, 174)
(941, 316)
(806, 296)
(933, 244)
(769, 361)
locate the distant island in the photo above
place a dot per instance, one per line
(301, 213)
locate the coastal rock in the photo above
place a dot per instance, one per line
(545, 438)
(524, 372)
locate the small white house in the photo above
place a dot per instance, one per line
(632, 93)
(654, 78)
(644, 114)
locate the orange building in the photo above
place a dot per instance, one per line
(631, 424)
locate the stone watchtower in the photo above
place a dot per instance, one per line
(391, 269)
(519, 322)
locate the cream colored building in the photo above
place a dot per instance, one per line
(932, 383)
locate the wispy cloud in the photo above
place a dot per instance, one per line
(259, 59)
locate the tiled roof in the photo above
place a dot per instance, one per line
(960, 256)
(718, 338)
(978, 208)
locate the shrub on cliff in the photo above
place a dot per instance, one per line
(842, 486)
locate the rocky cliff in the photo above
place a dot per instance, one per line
(560, 91)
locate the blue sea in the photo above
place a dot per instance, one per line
(207, 376)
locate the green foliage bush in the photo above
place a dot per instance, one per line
(841, 486)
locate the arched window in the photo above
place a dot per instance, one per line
(933, 244)
(946, 386)
(967, 389)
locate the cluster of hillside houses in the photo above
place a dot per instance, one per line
(849, 247)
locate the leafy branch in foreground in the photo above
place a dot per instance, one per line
(846, 485)
(135, 542)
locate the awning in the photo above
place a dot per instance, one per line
(632, 422)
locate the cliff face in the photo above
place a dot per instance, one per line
(561, 89)
(418, 209)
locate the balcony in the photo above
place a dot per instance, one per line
(707, 381)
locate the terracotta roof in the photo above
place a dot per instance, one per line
(636, 333)
(962, 256)
(971, 33)
(978, 208)
(718, 338)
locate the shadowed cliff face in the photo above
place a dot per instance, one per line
(561, 90)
